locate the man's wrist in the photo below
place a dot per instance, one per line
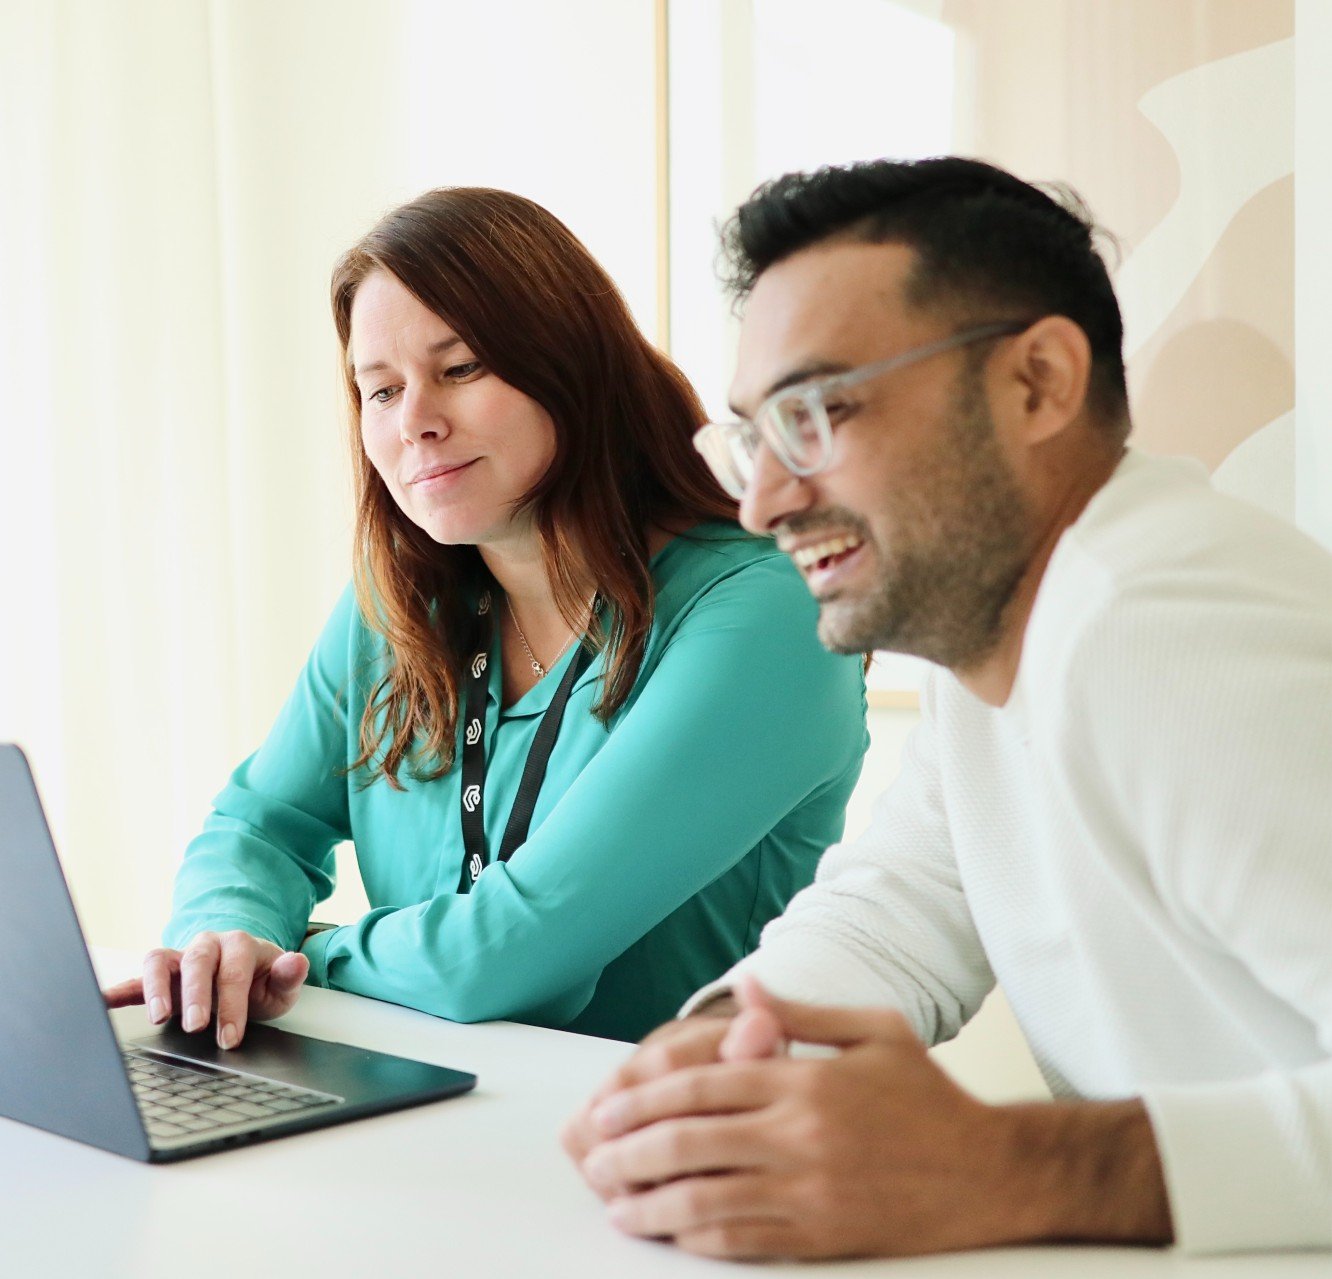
(1086, 1171)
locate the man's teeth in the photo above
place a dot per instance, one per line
(810, 556)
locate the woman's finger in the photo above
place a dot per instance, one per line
(198, 968)
(277, 983)
(237, 959)
(124, 993)
(159, 967)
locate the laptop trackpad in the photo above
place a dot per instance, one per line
(360, 1076)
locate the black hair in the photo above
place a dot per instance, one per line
(988, 246)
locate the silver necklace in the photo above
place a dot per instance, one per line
(537, 669)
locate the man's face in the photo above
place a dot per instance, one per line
(916, 534)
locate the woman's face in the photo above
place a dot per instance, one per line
(456, 446)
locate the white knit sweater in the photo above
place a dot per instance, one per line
(1138, 846)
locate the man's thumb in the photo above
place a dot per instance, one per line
(816, 1024)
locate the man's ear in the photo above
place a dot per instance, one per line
(1045, 372)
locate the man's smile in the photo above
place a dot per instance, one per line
(822, 562)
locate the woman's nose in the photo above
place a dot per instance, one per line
(422, 416)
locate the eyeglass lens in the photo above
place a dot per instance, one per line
(729, 454)
(795, 421)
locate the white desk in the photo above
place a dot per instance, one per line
(476, 1186)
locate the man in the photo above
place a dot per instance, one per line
(1117, 801)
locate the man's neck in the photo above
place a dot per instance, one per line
(993, 678)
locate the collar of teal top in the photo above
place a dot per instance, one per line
(537, 698)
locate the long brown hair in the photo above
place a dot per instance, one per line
(540, 313)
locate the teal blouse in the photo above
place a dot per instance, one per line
(661, 843)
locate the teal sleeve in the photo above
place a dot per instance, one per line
(265, 856)
(744, 717)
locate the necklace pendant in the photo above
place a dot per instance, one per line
(538, 670)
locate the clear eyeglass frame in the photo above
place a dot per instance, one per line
(793, 422)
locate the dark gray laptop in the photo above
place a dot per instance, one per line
(155, 1094)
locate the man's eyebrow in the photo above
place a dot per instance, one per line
(801, 373)
(437, 348)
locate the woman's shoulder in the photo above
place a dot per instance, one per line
(347, 638)
(719, 563)
(739, 607)
(711, 550)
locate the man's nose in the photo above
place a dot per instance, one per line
(773, 495)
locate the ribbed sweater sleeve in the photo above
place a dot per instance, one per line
(1203, 714)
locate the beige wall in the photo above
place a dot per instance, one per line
(1161, 110)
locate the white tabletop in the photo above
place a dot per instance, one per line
(475, 1186)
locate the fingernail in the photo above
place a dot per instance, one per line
(227, 1036)
(609, 1117)
(618, 1211)
(594, 1168)
(157, 1010)
(195, 1018)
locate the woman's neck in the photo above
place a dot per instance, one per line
(532, 629)
(519, 568)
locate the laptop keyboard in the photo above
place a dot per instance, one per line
(180, 1101)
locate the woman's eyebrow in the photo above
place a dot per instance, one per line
(436, 348)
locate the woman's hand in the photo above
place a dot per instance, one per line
(252, 978)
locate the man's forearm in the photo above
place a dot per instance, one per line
(1088, 1171)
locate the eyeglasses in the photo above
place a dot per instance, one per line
(794, 421)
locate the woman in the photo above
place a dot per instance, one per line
(577, 724)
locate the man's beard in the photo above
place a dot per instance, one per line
(959, 550)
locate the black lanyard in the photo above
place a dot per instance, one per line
(477, 856)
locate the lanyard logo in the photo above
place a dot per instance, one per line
(476, 856)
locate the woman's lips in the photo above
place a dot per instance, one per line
(435, 476)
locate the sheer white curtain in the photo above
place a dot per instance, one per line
(178, 178)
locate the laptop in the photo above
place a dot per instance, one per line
(114, 1080)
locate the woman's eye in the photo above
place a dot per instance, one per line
(383, 395)
(463, 370)
(837, 410)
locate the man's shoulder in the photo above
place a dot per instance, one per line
(1166, 591)
(1160, 541)
(1161, 517)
